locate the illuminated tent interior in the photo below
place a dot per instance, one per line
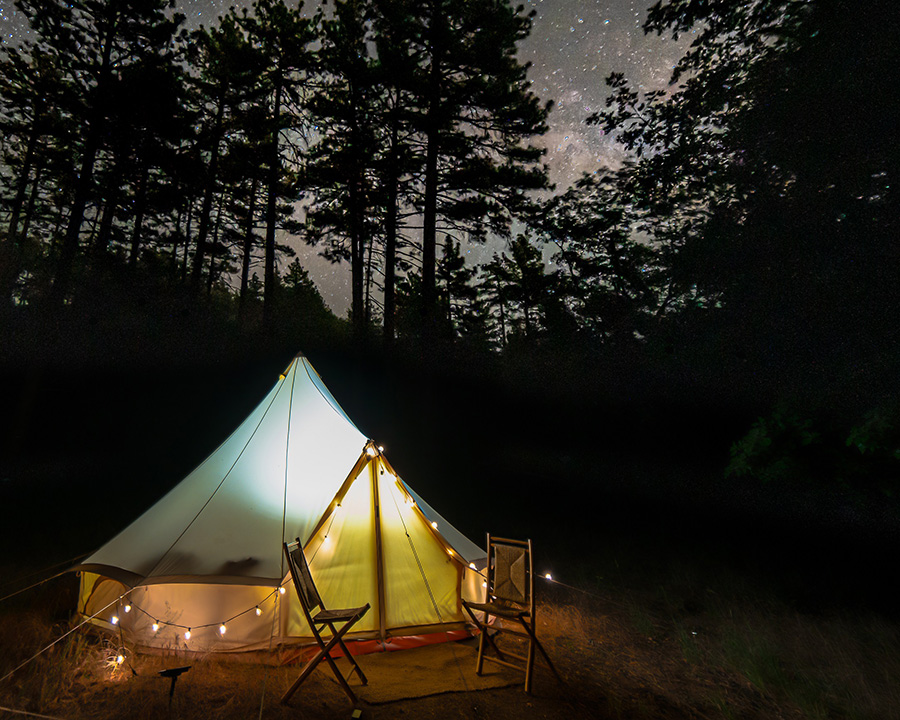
(203, 568)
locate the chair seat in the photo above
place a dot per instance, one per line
(499, 609)
(337, 615)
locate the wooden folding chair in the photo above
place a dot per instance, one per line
(338, 622)
(510, 599)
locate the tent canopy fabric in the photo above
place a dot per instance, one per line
(211, 549)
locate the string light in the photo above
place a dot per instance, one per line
(187, 634)
(128, 608)
(472, 565)
(548, 576)
(258, 611)
(434, 525)
(281, 590)
(120, 659)
(115, 620)
(222, 629)
(155, 626)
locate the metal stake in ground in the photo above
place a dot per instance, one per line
(173, 673)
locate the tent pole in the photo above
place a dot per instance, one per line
(379, 555)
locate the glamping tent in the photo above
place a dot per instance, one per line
(203, 569)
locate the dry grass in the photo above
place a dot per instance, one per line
(684, 649)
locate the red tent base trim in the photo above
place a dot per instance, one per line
(364, 647)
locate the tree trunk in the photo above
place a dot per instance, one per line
(10, 248)
(32, 199)
(211, 277)
(432, 130)
(69, 250)
(140, 208)
(187, 240)
(390, 235)
(100, 243)
(210, 190)
(248, 246)
(272, 206)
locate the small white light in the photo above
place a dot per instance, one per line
(222, 629)
(281, 589)
(449, 551)
(371, 451)
(548, 576)
(115, 620)
(155, 627)
(258, 611)
(472, 565)
(325, 539)
(187, 634)
(434, 525)
(484, 584)
(381, 448)
(120, 659)
(128, 608)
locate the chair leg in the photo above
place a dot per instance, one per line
(323, 654)
(347, 654)
(533, 643)
(482, 627)
(529, 663)
(479, 663)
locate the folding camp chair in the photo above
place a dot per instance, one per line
(510, 599)
(338, 622)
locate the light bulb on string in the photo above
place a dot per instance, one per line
(120, 659)
(115, 620)
(187, 634)
(281, 590)
(434, 525)
(128, 608)
(155, 626)
(258, 611)
(548, 576)
(222, 629)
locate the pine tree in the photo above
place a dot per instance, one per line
(281, 35)
(94, 42)
(474, 113)
(342, 161)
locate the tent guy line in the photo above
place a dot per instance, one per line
(28, 714)
(61, 637)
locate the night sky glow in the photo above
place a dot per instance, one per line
(573, 46)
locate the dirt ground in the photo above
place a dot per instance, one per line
(608, 669)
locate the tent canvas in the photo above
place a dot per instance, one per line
(203, 569)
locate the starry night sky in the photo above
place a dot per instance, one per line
(573, 46)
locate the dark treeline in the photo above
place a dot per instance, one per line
(745, 256)
(374, 130)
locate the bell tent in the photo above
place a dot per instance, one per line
(203, 568)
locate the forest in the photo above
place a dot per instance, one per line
(155, 180)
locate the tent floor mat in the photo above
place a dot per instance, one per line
(432, 670)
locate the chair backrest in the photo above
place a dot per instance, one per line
(510, 572)
(303, 582)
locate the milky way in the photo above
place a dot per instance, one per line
(573, 46)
